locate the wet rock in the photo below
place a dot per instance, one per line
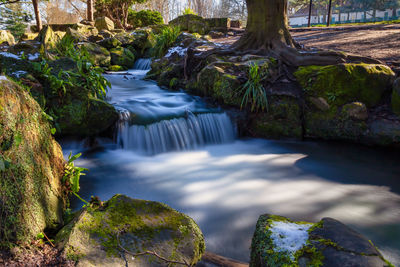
(104, 23)
(6, 37)
(279, 241)
(31, 168)
(95, 237)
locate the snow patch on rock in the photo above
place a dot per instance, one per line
(7, 54)
(178, 50)
(289, 237)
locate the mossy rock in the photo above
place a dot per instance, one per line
(279, 241)
(31, 168)
(110, 43)
(396, 97)
(100, 55)
(122, 57)
(6, 37)
(95, 236)
(216, 82)
(75, 35)
(49, 38)
(282, 119)
(104, 23)
(191, 23)
(116, 68)
(143, 40)
(344, 83)
(86, 118)
(27, 36)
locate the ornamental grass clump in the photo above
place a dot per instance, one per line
(253, 91)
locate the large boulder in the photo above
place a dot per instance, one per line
(49, 38)
(219, 24)
(104, 23)
(345, 83)
(98, 54)
(82, 118)
(191, 23)
(110, 43)
(348, 91)
(109, 235)
(143, 40)
(6, 37)
(31, 168)
(122, 57)
(279, 241)
(396, 97)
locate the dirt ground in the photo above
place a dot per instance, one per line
(377, 41)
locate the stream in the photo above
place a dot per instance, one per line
(175, 148)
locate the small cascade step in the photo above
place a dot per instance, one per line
(176, 134)
(142, 64)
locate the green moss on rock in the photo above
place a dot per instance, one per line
(282, 120)
(31, 168)
(344, 83)
(98, 54)
(140, 225)
(81, 118)
(123, 57)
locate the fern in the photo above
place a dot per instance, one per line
(165, 40)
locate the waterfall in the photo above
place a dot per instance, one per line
(176, 134)
(142, 64)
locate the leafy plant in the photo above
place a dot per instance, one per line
(72, 176)
(66, 47)
(189, 11)
(165, 40)
(253, 91)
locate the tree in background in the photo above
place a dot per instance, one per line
(90, 10)
(144, 18)
(116, 10)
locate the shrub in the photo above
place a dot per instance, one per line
(144, 18)
(165, 40)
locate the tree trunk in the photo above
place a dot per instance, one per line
(267, 26)
(90, 11)
(329, 13)
(37, 14)
(309, 14)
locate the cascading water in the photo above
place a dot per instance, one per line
(175, 134)
(142, 64)
(154, 121)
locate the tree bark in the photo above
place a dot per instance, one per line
(37, 14)
(90, 11)
(267, 26)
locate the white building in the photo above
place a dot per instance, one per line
(301, 18)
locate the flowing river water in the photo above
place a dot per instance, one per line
(174, 148)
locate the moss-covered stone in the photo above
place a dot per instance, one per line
(6, 37)
(344, 83)
(100, 55)
(326, 243)
(48, 38)
(81, 118)
(95, 236)
(116, 68)
(110, 43)
(191, 23)
(281, 120)
(123, 57)
(31, 168)
(143, 41)
(396, 97)
(104, 23)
